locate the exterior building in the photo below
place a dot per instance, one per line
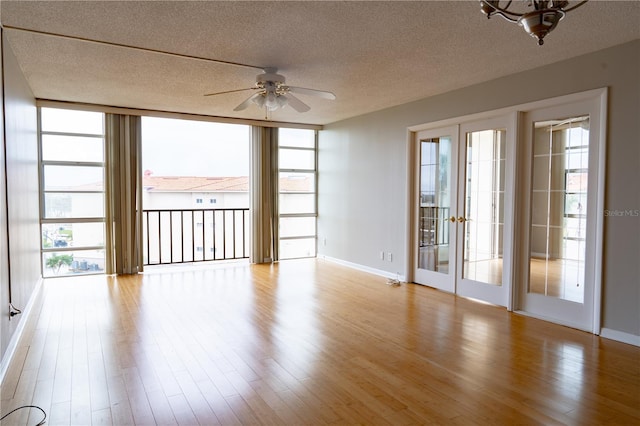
(188, 192)
(189, 218)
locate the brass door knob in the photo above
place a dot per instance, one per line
(452, 219)
(461, 219)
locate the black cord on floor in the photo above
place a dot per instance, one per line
(44, 414)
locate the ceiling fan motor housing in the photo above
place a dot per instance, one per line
(270, 77)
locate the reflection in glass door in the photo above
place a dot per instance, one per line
(484, 206)
(560, 266)
(559, 208)
(435, 177)
(483, 247)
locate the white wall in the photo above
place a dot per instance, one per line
(363, 168)
(158, 200)
(22, 206)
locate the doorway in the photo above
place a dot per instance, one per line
(561, 233)
(463, 209)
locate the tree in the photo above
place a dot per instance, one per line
(56, 261)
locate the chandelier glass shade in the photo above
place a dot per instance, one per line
(271, 100)
(537, 17)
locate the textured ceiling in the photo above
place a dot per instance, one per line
(371, 54)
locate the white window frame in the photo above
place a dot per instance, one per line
(71, 220)
(313, 172)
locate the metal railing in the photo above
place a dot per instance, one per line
(434, 226)
(195, 235)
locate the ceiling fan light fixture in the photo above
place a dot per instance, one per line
(282, 101)
(259, 100)
(271, 93)
(537, 22)
(271, 101)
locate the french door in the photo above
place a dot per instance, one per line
(562, 229)
(436, 207)
(467, 237)
(464, 209)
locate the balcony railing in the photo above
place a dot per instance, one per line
(434, 226)
(196, 235)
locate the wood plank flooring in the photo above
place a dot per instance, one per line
(304, 343)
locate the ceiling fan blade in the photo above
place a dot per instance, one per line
(312, 92)
(247, 102)
(230, 91)
(296, 103)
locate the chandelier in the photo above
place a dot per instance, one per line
(538, 21)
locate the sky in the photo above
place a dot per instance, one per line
(173, 147)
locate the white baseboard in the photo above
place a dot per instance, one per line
(620, 336)
(25, 317)
(374, 271)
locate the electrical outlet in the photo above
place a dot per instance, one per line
(390, 257)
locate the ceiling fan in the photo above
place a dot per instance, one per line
(272, 93)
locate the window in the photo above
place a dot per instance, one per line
(201, 200)
(72, 213)
(297, 198)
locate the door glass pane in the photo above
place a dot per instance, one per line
(484, 206)
(435, 203)
(559, 208)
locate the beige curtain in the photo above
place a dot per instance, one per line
(264, 195)
(123, 199)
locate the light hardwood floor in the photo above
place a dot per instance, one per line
(305, 342)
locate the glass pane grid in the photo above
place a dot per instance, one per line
(484, 206)
(559, 207)
(435, 204)
(297, 199)
(72, 215)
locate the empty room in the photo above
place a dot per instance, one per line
(320, 212)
